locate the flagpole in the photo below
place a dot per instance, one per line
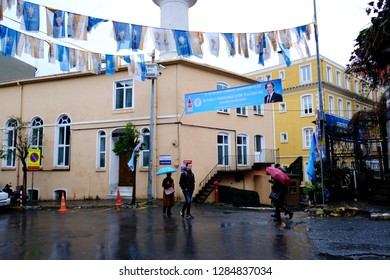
(321, 105)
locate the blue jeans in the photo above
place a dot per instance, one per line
(187, 203)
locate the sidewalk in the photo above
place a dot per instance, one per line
(332, 209)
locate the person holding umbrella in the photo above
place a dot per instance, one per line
(168, 194)
(280, 182)
(169, 189)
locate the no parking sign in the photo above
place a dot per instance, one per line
(34, 159)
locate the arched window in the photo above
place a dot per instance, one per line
(36, 135)
(145, 152)
(101, 150)
(62, 154)
(10, 142)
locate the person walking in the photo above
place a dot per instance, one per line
(279, 202)
(168, 194)
(187, 184)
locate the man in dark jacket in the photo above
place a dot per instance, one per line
(272, 96)
(187, 184)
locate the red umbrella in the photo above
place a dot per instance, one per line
(279, 175)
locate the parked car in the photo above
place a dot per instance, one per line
(4, 199)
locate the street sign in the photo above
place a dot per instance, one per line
(34, 159)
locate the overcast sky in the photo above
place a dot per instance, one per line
(339, 22)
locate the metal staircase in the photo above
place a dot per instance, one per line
(208, 185)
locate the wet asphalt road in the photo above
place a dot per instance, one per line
(217, 233)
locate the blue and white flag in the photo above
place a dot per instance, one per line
(92, 22)
(230, 40)
(137, 37)
(77, 26)
(131, 161)
(63, 55)
(31, 16)
(213, 43)
(311, 171)
(183, 45)
(263, 49)
(122, 35)
(286, 54)
(197, 40)
(55, 23)
(243, 48)
(255, 41)
(163, 40)
(8, 41)
(137, 67)
(110, 65)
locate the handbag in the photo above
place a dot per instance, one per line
(274, 196)
(169, 190)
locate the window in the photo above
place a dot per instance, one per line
(329, 75)
(282, 107)
(259, 78)
(63, 142)
(124, 94)
(222, 85)
(145, 152)
(357, 107)
(347, 82)
(10, 142)
(282, 75)
(241, 111)
(340, 107)
(307, 105)
(338, 78)
(305, 73)
(356, 86)
(307, 137)
(331, 104)
(268, 77)
(283, 137)
(349, 110)
(101, 150)
(258, 109)
(242, 149)
(36, 139)
(223, 149)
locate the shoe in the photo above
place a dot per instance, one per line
(273, 216)
(290, 215)
(169, 214)
(189, 216)
(181, 214)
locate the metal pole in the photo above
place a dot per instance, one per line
(151, 140)
(321, 105)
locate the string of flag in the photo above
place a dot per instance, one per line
(133, 39)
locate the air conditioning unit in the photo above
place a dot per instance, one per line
(151, 71)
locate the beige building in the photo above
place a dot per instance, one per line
(75, 119)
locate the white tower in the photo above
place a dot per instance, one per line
(174, 13)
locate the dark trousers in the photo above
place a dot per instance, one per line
(187, 204)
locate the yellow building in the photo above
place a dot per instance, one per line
(75, 119)
(294, 118)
